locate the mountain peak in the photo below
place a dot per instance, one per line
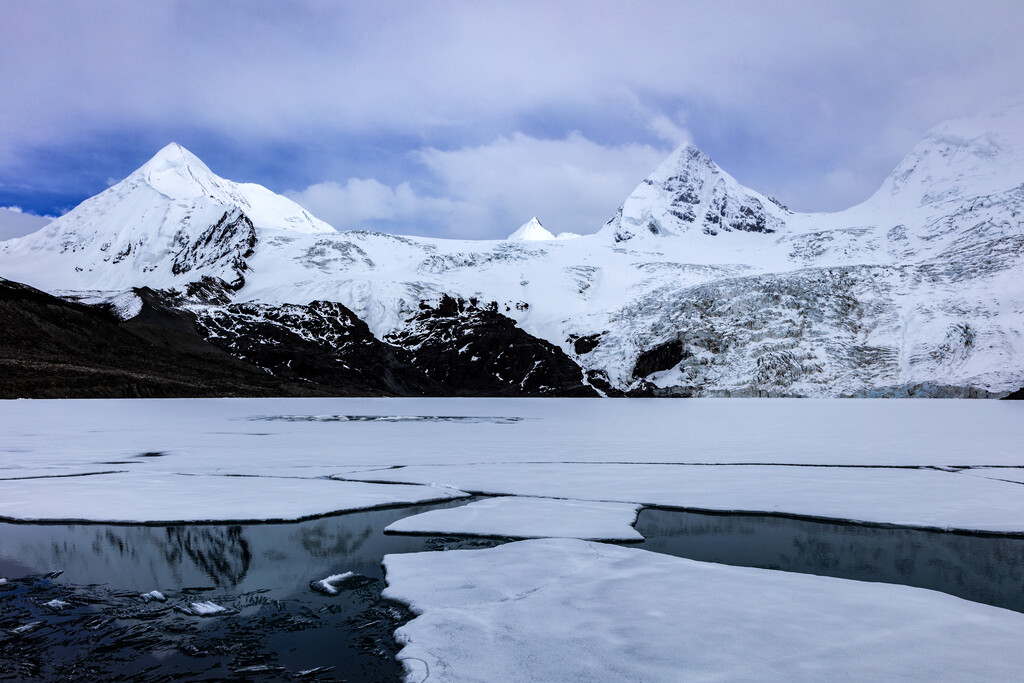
(958, 159)
(176, 172)
(688, 192)
(531, 231)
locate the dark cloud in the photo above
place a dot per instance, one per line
(812, 102)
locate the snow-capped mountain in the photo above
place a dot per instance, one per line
(689, 192)
(696, 286)
(170, 220)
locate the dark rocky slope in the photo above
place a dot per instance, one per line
(199, 345)
(474, 349)
(51, 348)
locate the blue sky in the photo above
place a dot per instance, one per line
(465, 119)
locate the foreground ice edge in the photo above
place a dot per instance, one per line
(920, 498)
(173, 498)
(561, 609)
(520, 517)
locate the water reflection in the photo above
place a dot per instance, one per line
(222, 553)
(261, 573)
(988, 569)
(280, 557)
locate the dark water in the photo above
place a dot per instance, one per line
(275, 627)
(987, 569)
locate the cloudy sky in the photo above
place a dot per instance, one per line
(467, 118)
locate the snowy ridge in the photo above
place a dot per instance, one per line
(697, 286)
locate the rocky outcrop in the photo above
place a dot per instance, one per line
(472, 348)
(322, 342)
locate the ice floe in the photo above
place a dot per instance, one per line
(515, 517)
(561, 609)
(909, 497)
(137, 497)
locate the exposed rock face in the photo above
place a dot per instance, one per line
(461, 344)
(51, 348)
(455, 349)
(224, 246)
(661, 357)
(322, 342)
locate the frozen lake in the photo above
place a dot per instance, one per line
(853, 489)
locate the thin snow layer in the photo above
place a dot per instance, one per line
(528, 518)
(560, 609)
(907, 497)
(143, 498)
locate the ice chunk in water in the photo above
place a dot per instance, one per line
(205, 609)
(331, 585)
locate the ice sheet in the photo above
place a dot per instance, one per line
(561, 438)
(910, 497)
(559, 609)
(231, 435)
(528, 518)
(136, 497)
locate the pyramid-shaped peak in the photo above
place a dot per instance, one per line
(531, 231)
(174, 157)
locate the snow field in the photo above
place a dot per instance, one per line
(561, 609)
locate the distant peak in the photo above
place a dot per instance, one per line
(531, 231)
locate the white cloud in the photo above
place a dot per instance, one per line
(805, 86)
(670, 130)
(485, 192)
(571, 184)
(367, 202)
(14, 222)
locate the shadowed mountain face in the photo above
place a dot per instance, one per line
(52, 348)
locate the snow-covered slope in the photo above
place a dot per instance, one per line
(697, 285)
(171, 220)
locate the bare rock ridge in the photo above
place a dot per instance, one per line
(696, 286)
